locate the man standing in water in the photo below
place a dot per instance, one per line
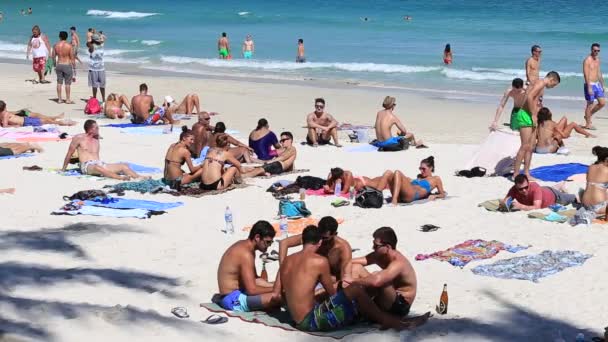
(594, 84)
(248, 47)
(300, 56)
(533, 65)
(223, 46)
(524, 120)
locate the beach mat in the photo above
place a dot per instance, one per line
(321, 192)
(558, 172)
(127, 203)
(296, 226)
(345, 126)
(105, 212)
(565, 216)
(461, 254)
(532, 267)
(490, 205)
(421, 201)
(197, 192)
(130, 124)
(282, 320)
(23, 155)
(285, 173)
(30, 136)
(361, 148)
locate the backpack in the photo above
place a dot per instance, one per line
(92, 107)
(293, 208)
(369, 198)
(310, 182)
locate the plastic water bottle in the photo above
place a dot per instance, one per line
(580, 337)
(338, 188)
(283, 226)
(351, 193)
(228, 219)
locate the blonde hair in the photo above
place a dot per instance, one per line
(389, 102)
(111, 97)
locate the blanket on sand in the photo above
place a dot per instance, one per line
(157, 186)
(296, 226)
(533, 267)
(460, 255)
(126, 203)
(101, 211)
(560, 216)
(321, 192)
(285, 173)
(558, 172)
(23, 155)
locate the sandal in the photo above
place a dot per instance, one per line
(429, 228)
(180, 312)
(215, 319)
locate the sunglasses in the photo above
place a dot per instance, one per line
(523, 188)
(206, 119)
(596, 50)
(539, 51)
(377, 247)
(268, 242)
(318, 106)
(284, 140)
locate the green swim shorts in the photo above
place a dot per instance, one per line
(224, 52)
(520, 119)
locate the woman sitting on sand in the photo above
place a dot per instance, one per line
(595, 197)
(113, 106)
(359, 182)
(551, 134)
(177, 155)
(214, 176)
(262, 139)
(406, 190)
(241, 152)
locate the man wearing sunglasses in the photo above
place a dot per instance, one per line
(240, 289)
(394, 286)
(321, 126)
(525, 195)
(299, 275)
(533, 65)
(202, 133)
(594, 84)
(337, 250)
(282, 163)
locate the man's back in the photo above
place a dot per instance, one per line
(64, 52)
(228, 269)
(141, 105)
(385, 119)
(300, 273)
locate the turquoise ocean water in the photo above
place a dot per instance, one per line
(490, 39)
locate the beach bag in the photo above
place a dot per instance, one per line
(293, 208)
(369, 198)
(92, 106)
(310, 182)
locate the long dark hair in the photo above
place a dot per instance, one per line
(261, 123)
(601, 153)
(448, 48)
(544, 114)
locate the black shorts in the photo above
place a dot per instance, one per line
(400, 307)
(320, 140)
(6, 152)
(273, 168)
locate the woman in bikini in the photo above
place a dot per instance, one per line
(551, 134)
(113, 106)
(406, 190)
(214, 176)
(178, 154)
(241, 152)
(359, 182)
(595, 197)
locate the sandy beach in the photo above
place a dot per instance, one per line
(75, 278)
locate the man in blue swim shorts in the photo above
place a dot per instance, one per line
(385, 120)
(594, 85)
(25, 118)
(299, 275)
(240, 289)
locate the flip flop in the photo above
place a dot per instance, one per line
(215, 319)
(429, 228)
(32, 168)
(422, 146)
(45, 82)
(180, 312)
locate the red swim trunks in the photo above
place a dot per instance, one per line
(39, 63)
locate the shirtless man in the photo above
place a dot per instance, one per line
(321, 126)
(337, 250)
(299, 275)
(300, 54)
(386, 119)
(190, 103)
(23, 118)
(594, 84)
(75, 43)
(525, 120)
(518, 94)
(144, 110)
(394, 286)
(248, 47)
(202, 133)
(284, 162)
(87, 146)
(13, 149)
(223, 46)
(533, 65)
(63, 56)
(40, 48)
(240, 289)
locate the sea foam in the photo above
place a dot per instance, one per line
(119, 15)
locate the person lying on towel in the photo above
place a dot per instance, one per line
(406, 190)
(385, 120)
(299, 275)
(240, 289)
(526, 195)
(358, 182)
(284, 162)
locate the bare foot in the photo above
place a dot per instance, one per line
(590, 136)
(414, 322)
(7, 191)
(338, 145)
(69, 102)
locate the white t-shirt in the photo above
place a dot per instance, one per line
(38, 47)
(96, 60)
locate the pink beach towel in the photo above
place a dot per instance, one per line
(30, 136)
(321, 192)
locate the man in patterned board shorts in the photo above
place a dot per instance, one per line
(40, 47)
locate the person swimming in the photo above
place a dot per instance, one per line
(406, 190)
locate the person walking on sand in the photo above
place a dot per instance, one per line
(223, 46)
(75, 41)
(248, 47)
(594, 85)
(63, 56)
(40, 47)
(518, 94)
(533, 65)
(300, 54)
(447, 55)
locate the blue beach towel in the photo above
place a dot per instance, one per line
(558, 172)
(143, 169)
(17, 156)
(148, 131)
(107, 212)
(361, 148)
(125, 203)
(128, 124)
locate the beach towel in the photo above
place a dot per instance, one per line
(420, 201)
(497, 153)
(195, 191)
(558, 172)
(142, 168)
(460, 255)
(126, 203)
(321, 192)
(23, 155)
(73, 173)
(345, 126)
(491, 205)
(143, 186)
(296, 226)
(149, 131)
(361, 148)
(285, 173)
(560, 217)
(30, 136)
(283, 320)
(533, 267)
(130, 124)
(107, 212)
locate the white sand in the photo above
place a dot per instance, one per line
(61, 277)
